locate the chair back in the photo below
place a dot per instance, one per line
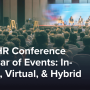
(83, 60)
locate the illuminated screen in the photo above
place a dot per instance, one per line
(54, 11)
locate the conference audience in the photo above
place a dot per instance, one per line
(82, 35)
(44, 38)
(73, 40)
(86, 43)
(23, 42)
(66, 35)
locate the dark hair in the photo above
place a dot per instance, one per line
(10, 45)
(2, 39)
(47, 30)
(86, 40)
(53, 31)
(66, 35)
(10, 37)
(59, 31)
(79, 30)
(22, 39)
(14, 33)
(13, 29)
(6, 33)
(16, 41)
(41, 37)
(17, 31)
(73, 37)
(25, 35)
(82, 34)
(72, 29)
(59, 40)
(67, 29)
(34, 42)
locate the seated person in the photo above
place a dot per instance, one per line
(60, 20)
(26, 36)
(6, 33)
(73, 40)
(86, 43)
(60, 44)
(79, 31)
(11, 56)
(23, 42)
(3, 39)
(66, 35)
(82, 35)
(29, 34)
(72, 29)
(67, 29)
(80, 20)
(10, 37)
(71, 19)
(15, 33)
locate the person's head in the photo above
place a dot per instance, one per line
(73, 37)
(67, 29)
(2, 39)
(82, 34)
(34, 42)
(66, 35)
(80, 16)
(41, 37)
(10, 45)
(29, 32)
(10, 37)
(71, 17)
(22, 39)
(16, 41)
(18, 32)
(59, 31)
(6, 33)
(59, 40)
(25, 35)
(89, 16)
(47, 30)
(72, 29)
(14, 33)
(52, 37)
(79, 30)
(86, 40)
(53, 31)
